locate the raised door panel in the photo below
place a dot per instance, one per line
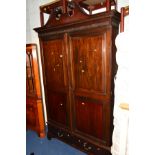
(89, 62)
(90, 118)
(54, 64)
(57, 107)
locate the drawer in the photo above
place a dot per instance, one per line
(89, 147)
(77, 141)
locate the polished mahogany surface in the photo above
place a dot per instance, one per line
(89, 62)
(91, 122)
(57, 107)
(79, 66)
(54, 63)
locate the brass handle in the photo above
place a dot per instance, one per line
(98, 149)
(87, 148)
(60, 135)
(84, 144)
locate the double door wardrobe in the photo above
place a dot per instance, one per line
(79, 65)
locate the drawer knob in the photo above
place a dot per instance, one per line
(84, 144)
(87, 148)
(60, 135)
(82, 71)
(61, 104)
(61, 55)
(98, 149)
(83, 103)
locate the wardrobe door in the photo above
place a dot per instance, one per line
(89, 80)
(56, 80)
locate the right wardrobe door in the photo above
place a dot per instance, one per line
(90, 67)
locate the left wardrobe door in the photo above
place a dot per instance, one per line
(56, 80)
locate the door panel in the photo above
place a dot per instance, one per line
(57, 107)
(54, 62)
(88, 58)
(89, 118)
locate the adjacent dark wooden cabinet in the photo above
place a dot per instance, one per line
(34, 105)
(79, 66)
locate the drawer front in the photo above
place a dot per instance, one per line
(57, 107)
(90, 147)
(89, 118)
(77, 141)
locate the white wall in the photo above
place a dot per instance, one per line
(122, 3)
(33, 18)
